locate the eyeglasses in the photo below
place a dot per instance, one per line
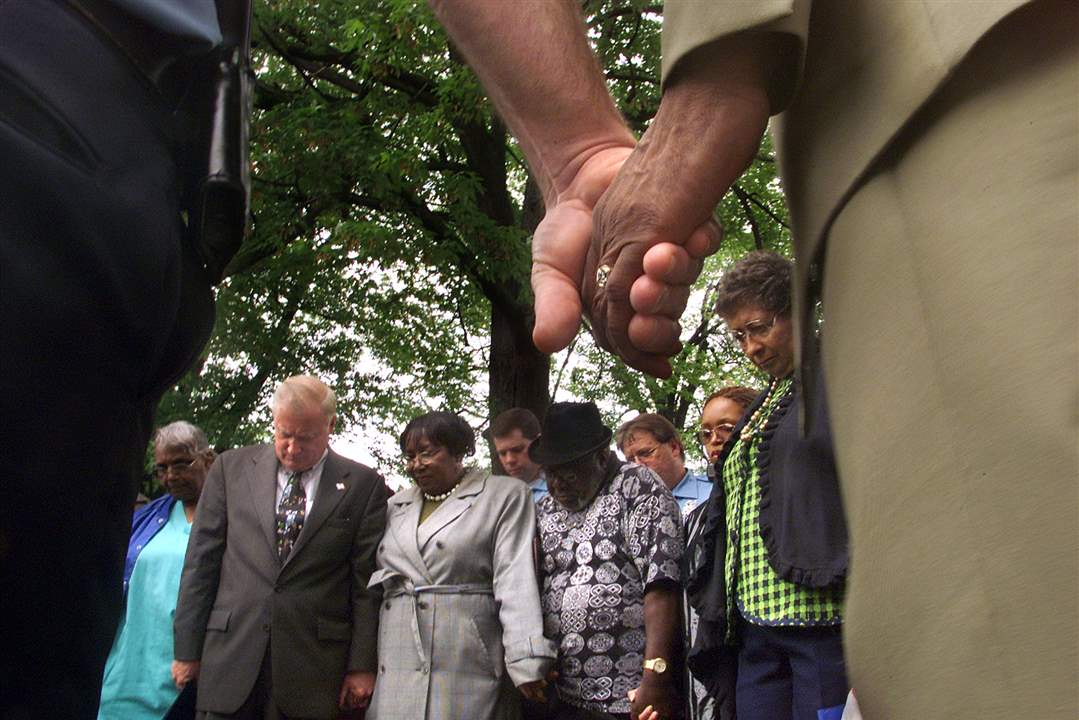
(162, 469)
(719, 431)
(642, 454)
(423, 456)
(756, 329)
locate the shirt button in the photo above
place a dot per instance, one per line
(422, 605)
(160, 520)
(387, 604)
(425, 669)
(438, 544)
(382, 669)
(382, 548)
(138, 547)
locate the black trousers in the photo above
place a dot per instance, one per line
(790, 672)
(102, 307)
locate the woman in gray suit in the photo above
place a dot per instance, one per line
(460, 623)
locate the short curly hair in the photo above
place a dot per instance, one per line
(441, 428)
(760, 278)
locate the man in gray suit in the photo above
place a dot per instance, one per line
(274, 617)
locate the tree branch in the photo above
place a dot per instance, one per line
(767, 210)
(565, 362)
(743, 200)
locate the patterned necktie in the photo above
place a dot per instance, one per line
(290, 515)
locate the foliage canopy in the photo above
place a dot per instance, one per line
(390, 246)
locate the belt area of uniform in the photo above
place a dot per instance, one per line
(156, 55)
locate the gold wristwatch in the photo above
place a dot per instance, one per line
(656, 665)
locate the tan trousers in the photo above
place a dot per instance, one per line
(951, 303)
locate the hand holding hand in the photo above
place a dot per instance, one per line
(184, 671)
(654, 699)
(560, 246)
(651, 210)
(567, 253)
(536, 690)
(356, 690)
(648, 713)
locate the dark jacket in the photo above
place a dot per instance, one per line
(314, 610)
(801, 521)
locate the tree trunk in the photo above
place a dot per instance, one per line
(519, 374)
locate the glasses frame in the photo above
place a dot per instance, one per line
(178, 466)
(756, 329)
(423, 456)
(705, 434)
(645, 453)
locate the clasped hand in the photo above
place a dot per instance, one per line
(621, 213)
(654, 699)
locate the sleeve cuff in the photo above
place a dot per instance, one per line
(690, 24)
(530, 659)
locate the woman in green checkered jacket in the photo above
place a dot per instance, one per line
(773, 550)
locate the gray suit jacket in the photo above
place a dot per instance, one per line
(315, 610)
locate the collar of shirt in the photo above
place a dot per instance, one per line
(538, 486)
(691, 491)
(308, 479)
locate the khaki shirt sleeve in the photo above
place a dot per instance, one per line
(690, 24)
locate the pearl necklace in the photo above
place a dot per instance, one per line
(443, 496)
(752, 428)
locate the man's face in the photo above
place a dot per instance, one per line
(574, 485)
(512, 452)
(182, 473)
(300, 436)
(664, 459)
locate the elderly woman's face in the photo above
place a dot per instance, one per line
(431, 465)
(766, 338)
(181, 472)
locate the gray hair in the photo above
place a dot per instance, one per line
(305, 392)
(760, 278)
(181, 435)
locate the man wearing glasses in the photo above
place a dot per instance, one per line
(651, 440)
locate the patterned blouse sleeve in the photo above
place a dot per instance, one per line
(654, 528)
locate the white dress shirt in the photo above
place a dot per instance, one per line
(308, 479)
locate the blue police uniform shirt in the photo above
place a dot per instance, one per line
(692, 490)
(538, 486)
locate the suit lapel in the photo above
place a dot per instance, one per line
(332, 486)
(262, 481)
(403, 519)
(452, 507)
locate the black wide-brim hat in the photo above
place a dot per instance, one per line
(569, 432)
